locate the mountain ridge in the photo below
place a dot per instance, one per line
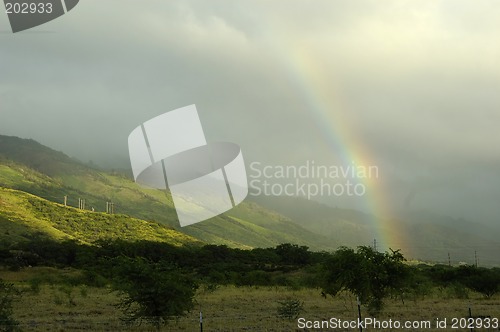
(256, 222)
(75, 181)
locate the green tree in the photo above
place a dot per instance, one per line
(366, 273)
(293, 254)
(152, 292)
(482, 280)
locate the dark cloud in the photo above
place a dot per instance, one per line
(418, 79)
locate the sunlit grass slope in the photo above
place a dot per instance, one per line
(30, 167)
(23, 216)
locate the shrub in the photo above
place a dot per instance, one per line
(152, 292)
(290, 308)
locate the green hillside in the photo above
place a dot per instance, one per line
(27, 166)
(24, 216)
(34, 155)
(30, 167)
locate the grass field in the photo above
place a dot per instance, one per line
(46, 304)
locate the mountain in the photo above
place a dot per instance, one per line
(345, 226)
(36, 156)
(421, 235)
(439, 238)
(30, 167)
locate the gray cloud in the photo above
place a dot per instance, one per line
(418, 83)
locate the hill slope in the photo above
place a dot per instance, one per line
(52, 175)
(24, 216)
(421, 235)
(258, 222)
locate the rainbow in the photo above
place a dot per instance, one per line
(328, 110)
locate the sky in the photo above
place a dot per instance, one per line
(411, 86)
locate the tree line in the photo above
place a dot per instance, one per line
(158, 281)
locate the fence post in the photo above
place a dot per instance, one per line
(470, 316)
(359, 314)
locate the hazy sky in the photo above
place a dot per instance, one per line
(415, 84)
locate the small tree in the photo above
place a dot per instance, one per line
(366, 273)
(152, 292)
(482, 280)
(293, 254)
(290, 308)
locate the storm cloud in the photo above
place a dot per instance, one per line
(418, 81)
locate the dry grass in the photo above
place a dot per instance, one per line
(73, 308)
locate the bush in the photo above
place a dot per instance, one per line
(456, 290)
(290, 308)
(152, 292)
(484, 281)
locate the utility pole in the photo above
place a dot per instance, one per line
(65, 200)
(110, 207)
(79, 203)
